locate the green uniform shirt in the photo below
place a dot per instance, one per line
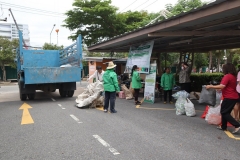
(167, 81)
(136, 80)
(110, 82)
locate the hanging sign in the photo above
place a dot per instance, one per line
(150, 81)
(140, 56)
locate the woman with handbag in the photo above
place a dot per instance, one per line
(230, 96)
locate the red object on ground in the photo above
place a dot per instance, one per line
(122, 95)
(205, 112)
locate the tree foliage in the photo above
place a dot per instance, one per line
(7, 54)
(98, 20)
(200, 60)
(48, 46)
(183, 6)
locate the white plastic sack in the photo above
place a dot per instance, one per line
(189, 108)
(181, 97)
(91, 95)
(182, 94)
(180, 109)
(66, 65)
(213, 116)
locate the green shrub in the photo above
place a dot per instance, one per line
(199, 79)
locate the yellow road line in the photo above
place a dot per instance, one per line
(230, 135)
(156, 108)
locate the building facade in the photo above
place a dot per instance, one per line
(9, 30)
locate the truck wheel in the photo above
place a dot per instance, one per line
(23, 97)
(62, 93)
(31, 96)
(70, 93)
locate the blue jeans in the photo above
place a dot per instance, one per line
(110, 97)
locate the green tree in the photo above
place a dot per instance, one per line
(183, 6)
(98, 20)
(7, 54)
(200, 60)
(48, 46)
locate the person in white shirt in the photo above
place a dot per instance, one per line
(97, 74)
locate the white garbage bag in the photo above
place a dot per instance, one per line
(91, 95)
(189, 108)
(213, 116)
(181, 97)
(180, 103)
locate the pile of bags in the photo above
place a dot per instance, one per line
(183, 104)
(127, 92)
(92, 96)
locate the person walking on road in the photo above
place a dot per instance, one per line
(136, 83)
(184, 77)
(167, 83)
(230, 96)
(97, 74)
(110, 85)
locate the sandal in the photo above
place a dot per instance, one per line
(236, 130)
(220, 128)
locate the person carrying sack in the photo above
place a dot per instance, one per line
(97, 74)
(230, 96)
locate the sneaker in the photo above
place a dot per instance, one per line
(114, 111)
(236, 130)
(105, 111)
(171, 102)
(164, 102)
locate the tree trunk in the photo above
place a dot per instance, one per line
(229, 58)
(218, 64)
(3, 72)
(4, 75)
(210, 61)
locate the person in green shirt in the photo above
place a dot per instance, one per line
(167, 83)
(110, 85)
(136, 83)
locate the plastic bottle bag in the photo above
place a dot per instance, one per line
(180, 109)
(207, 96)
(189, 108)
(213, 116)
(181, 97)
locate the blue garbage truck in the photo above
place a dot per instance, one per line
(48, 70)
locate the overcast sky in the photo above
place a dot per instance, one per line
(40, 20)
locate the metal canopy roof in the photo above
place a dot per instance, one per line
(210, 27)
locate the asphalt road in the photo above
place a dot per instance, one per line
(62, 131)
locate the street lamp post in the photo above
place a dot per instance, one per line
(51, 32)
(57, 30)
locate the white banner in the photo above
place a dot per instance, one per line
(150, 82)
(140, 56)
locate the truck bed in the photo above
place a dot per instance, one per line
(40, 75)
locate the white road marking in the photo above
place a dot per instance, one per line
(53, 100)
(75, 118)
(105, 144)
(61, 106)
